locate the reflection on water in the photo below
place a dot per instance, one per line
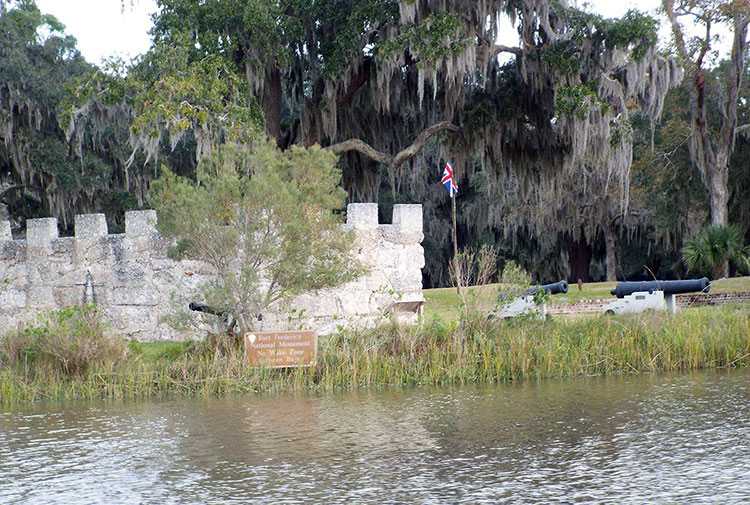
(640, 439)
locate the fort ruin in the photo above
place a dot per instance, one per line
(136, 285)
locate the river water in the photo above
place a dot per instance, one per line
(634, 439)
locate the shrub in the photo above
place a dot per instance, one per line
(15, 346)
(70, 340)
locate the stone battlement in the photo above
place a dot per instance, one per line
(135, 284)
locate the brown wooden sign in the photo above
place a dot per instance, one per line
(281, 348)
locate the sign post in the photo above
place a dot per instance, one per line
(281, 348)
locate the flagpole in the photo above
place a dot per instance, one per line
(455, 246)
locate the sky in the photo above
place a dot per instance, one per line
(104, 28)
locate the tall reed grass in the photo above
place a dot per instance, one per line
(471, 350)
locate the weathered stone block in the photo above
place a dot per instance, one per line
(11, 298)
(124, 274)
(159, 247)
(40, 297)
(13, 251)
(68, 296)
(90, 226)
(41, 231)
(142, 295)
(408, 217)
(140, 222)
(5, 231)
(62, 251)
(129, 319)
(92, 252)
(135, 283)
(362, 215)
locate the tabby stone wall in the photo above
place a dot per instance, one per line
(138, 288)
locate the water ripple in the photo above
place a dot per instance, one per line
(630, 440)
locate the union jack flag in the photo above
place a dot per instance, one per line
(448, 181)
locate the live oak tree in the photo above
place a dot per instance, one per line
(376, 80)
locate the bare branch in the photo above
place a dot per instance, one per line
(423, 137)
(400, 158)
(361, 147)
(497, 49)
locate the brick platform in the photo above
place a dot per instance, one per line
(703, 300)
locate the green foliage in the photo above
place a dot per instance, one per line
(206, 95)
(344, 26)
(577, 100)
(254, 31)
(266, 221)
(514, 275)
(515, 282)
(439, 36)
(69, 342)
(714, 246)
(621, 132)
(665, 186)
(565, 56)
(634, 32)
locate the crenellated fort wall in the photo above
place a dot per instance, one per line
(135, 284)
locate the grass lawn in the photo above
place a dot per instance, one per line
(446, 303)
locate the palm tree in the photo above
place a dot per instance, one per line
(714, 248)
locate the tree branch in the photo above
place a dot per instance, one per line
(679, 38)
(497, 49)
(423, 137)
(357, 82)
(729, 122)
(400, 158)
(362, 147)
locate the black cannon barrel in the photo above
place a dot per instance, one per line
(552, 289)
(204, 307)
(669, 287)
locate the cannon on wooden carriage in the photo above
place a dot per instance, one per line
(227, 322)
(640, 296)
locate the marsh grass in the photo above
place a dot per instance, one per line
(469, 350)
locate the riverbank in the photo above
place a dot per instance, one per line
(469, 350)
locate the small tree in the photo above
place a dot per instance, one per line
(714, 248)
(264, 220)
(475, 269)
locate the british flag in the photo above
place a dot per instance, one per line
(448, 181)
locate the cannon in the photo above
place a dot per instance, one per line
(226, 317)
(669, 287)
(554, 288)
(204, 307)
(639, 296)
(226, 322)
(527, 303)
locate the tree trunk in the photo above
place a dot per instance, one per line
(579, 255)
(609, 245)
(272, 102)
(718, 194)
